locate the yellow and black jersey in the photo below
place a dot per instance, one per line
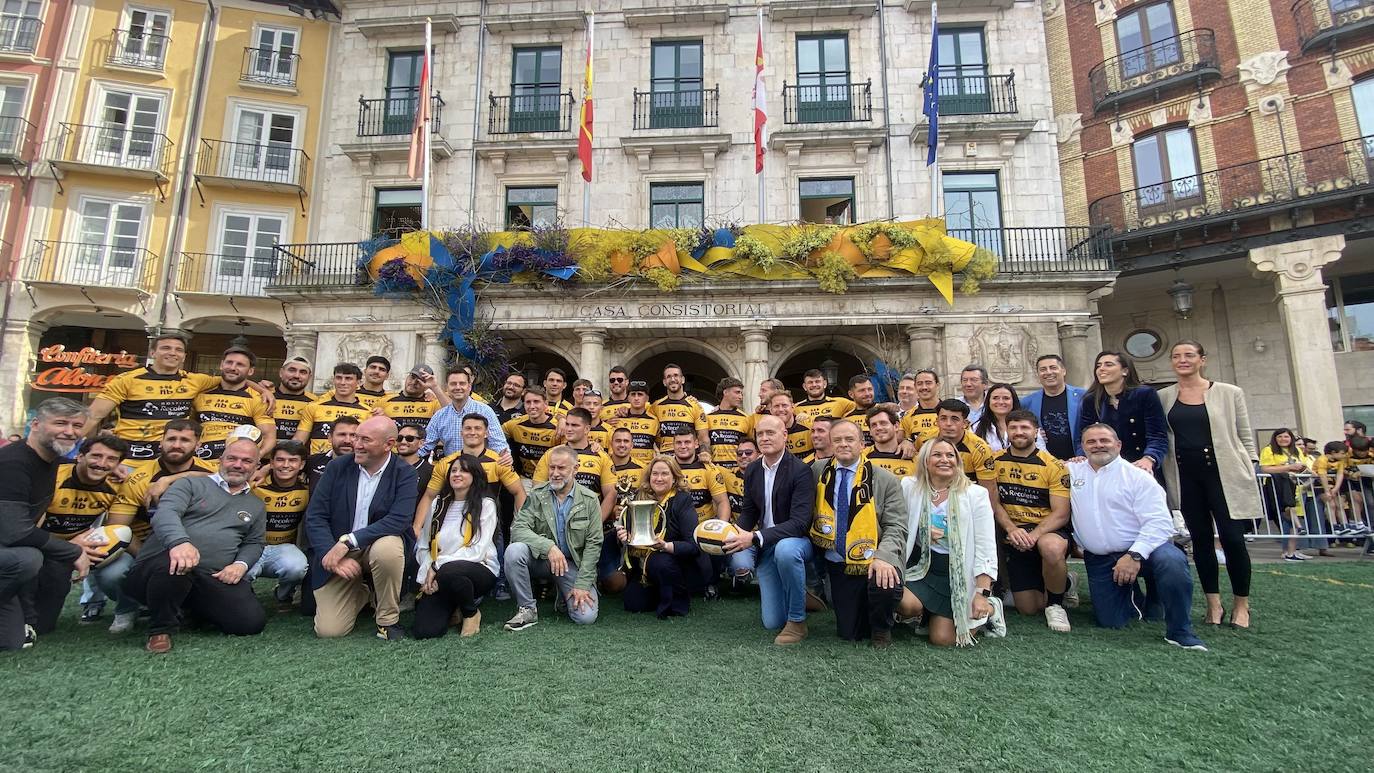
(409, 411)
(368, 397)
(704, 482)
(1025, 484)
(734, 491)
(76, 506)
(978, 458)
(610, 408)
(834, 407)
(674, 416)
(146, 401)
(857, 416)
(891, 461)
(726, 429)
(799, 439)
(1353, 462)
(1328, 469)
(318, 418)
(628, 475)
(644, 430)
(285, 509)
(594, 470)
(220, 411)
(529, 441)
(919, 423)
(128, 504)
(601, 434)
(286, 412)
(498, 475)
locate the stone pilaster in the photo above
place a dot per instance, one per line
(592, 364)
(21, 340)
(302, 343)
(755, 358)
(923, 341)
(1074, 348)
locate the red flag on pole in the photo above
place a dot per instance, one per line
(415, 167)
(584, 132)
(760, 105)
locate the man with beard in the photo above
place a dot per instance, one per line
(148, 398)
(677, 410)
(230, 405)
(618, 394)
(861, 394)
(511, 404)
(798, 433)
(817, 402)
(886, 452)
(291, 396)
(408, 442)
(341, 437)
(417, 402)
(919, 422)
(641, 423)
(373, 388)
(25, 490)
(820, 439)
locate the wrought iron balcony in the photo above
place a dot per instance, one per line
(269, 67)
(973, 91)
(19, 34)
(250, 165)
(1189, 57)
(1043, 250)
(1309, 176)
(829, 103)
(319, 266)
(113, 149)
(691, 109)
(1323, 22)
(120, 265)
(226, 274)
(394, 114)
(529, 113)
(138, 48)
(15, 133)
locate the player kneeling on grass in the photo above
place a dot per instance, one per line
(1123, 523)
(556, 535)
(207, 532)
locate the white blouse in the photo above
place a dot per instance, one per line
(451, 548)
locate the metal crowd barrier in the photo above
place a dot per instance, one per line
(1312, 520)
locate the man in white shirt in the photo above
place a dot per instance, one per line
(1122, 522)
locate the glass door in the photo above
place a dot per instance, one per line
(536, 103)
(402, 91)
(145, 40)
(823, 79)
(263, 148)
(107, 250)
(274, 61)
(676, 85)
(1147, 39)
(11, 119)
(963, 73)
(19, 24)
(127, 135)
(246, 262)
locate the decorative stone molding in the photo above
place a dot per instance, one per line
(1068, 126)
(1296, 264)
(357, 347)
(686, 147)
(1005, 350)
(1337, 74)
(1050, 7)
(717, 13)
(1106, 11)
(1200, 110)
(1263, 69)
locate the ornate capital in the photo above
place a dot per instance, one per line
(1296, 264)
(1263, 69)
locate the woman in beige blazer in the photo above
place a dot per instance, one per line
(1210, 472)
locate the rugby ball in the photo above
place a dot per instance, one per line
(245, 431)
(109, 541)
(711, 535)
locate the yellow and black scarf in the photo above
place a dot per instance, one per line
(436, 525)
(861, 540)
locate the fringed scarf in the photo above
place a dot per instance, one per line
(861, 539)
(960, 594)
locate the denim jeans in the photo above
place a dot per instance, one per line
(90, 592)
(782, 581)
(521, 569)
(109, 577)
(284, 563)
(1166, 574)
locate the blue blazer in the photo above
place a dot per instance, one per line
(329, 515)
(793, 497)
(1138, 421)
(1031, 402)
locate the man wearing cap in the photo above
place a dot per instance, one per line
(417, 402)
(291, 395)
(446, 426)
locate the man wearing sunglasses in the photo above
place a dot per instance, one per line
(408, 442)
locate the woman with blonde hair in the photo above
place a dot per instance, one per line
(951, 555)
(658, 574)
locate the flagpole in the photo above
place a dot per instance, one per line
(935, 84)
(424, 181)
(587, 183)
(763, 193)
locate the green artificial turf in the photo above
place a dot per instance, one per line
(710, 692)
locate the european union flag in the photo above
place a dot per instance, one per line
(931, 85)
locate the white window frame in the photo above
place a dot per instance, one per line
(15, 146)
(243, 163)
(140, 58)
(88, 150)
(243, 281)
(274, 77)
(101, 273)
(12, 36)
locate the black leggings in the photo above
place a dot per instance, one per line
(460, 584)
(1203, 502)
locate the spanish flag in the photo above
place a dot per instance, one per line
(584, 132)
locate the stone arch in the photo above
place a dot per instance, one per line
(661, 345)
(711, 364)
(259, 322)
(538, 357)
(863, 350)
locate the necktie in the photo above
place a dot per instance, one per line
(842, 486)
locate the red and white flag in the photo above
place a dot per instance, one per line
(585, 121)
(418, 131)
(760, 105)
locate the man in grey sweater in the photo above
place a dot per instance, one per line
(207, 532)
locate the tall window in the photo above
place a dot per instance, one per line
(145, 39)
(536, 79)
(245, 250)
(676, 205)
(822, 78)
(963, 73)
(109, 233)
(1362, 94)
(20, 23)
(676, 83)
(1147, 39)
(1350, 312)
(274, 59)
(530, 207)
(827, 200)
(1166, 168)
(973, 209)
(263, 146)
(128, 131)
(397, 210)
(11, 118)
(402, 90)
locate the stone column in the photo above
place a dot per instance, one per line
(755, 359)
(592, 364)
(924, 343)
(436, 354)
(1296, 269)
(1074, 348)
(21, 347)
(302, 343)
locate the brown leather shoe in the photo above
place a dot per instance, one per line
(471, 625)
(814, 603)
(792, 633)
(159, 644)
(881, 640)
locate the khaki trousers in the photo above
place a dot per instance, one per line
(338, 603)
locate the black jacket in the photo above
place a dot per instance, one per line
(793, 497)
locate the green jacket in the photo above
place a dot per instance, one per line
(534, 526)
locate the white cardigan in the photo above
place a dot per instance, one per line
(481, 551)
(975, 518)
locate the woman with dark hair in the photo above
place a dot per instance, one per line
(1282, 459)
(1118, 399)
(456, 552)
(1210, 476)
(1001, 399)
(658, 574)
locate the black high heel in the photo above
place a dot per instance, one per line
(1233, 626)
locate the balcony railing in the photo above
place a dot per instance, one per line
(1190, 57)
(829, 103)
(528, 113)
(19, 34)
(395, 115)
(1332, 171)
(120, 265)
(1323, 22)
(249, 162)
(1047, 249)
(972, 91)
(269, 66)
(130, 150)
(14, 139)
(677, 109)
(225, 274)
(136, 48)
(321, 266)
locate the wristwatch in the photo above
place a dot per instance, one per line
(985, 592)
(346, 541)
(1136, 556)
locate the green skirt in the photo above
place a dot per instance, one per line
(933, 589)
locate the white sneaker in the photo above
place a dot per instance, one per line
(997, 621)
(123, 622)
(1071, 591)
(1056, 618)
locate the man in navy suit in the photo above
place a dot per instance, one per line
(1056, 405)
(779, 499)
(358, 523)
